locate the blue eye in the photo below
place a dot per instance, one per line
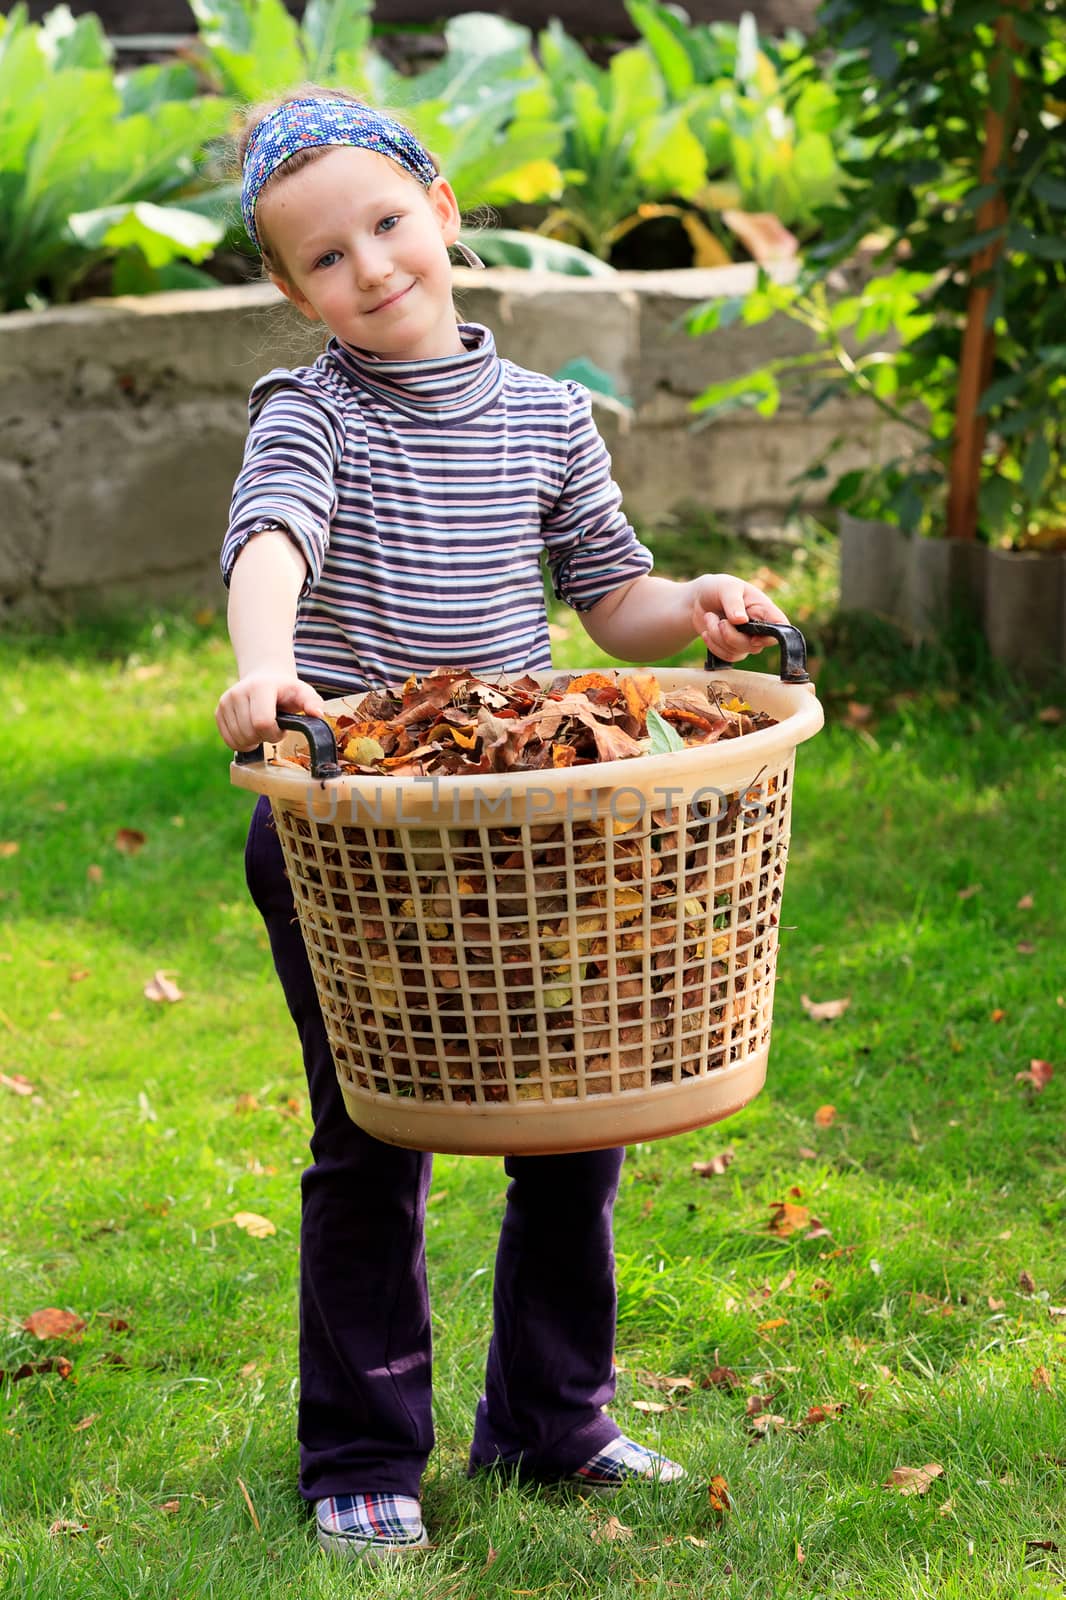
(328, 259)
(388, 223)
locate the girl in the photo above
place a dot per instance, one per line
(390, 517)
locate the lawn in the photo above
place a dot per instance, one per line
(926, 1317)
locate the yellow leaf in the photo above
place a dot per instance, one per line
(259, 1227)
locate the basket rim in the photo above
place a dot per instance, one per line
(803, 718)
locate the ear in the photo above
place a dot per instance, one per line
(445, 207)
(300, 301)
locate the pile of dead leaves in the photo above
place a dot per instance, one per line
(454, 723)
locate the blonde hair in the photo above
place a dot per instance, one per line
(301, 158)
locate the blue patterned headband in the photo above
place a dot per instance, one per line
(304, 124)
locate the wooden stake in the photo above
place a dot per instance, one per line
(978, 339)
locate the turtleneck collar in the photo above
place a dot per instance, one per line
(442, 389)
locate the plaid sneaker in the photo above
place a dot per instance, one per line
(623, 1461)
(370, 1525)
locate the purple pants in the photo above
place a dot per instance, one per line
(365, 1414)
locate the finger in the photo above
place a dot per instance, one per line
(731, 599)
(724, 640)
(761, 608)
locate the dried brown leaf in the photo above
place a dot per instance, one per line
(787, 1217)
(17, 1083)
(52, 1323)
(825, 1116)
(824, 1010)
(64, 1526)
(161, 988)
(86, 1422)
(716, 1166)
(1039, 1075)
(718, 1495)
(129, 840)
(721, 1378)
(1041, 1378)
(611, 1531)
(8, 847)
(913, 1480)
(1025, 903)
(653, 1407)
(1026, 1282)
(255, 1225)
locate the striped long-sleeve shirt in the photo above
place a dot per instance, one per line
(423, 495)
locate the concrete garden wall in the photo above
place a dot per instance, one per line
(122, 421)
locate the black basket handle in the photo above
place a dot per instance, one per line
(319, 736)
(793, 649)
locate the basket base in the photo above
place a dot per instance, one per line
(567, 1126)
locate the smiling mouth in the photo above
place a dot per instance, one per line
(391, 301)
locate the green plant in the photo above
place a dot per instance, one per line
(625, 147)
(958, 333)
(768, 128)
(484, 111)
(94, 166)
(254, 49)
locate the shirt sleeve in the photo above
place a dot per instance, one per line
(592, 548)
(288, 479)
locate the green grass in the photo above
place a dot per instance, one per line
(941, 1179)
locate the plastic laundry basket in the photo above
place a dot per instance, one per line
(547, 961)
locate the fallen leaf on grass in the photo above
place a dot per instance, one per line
(86, 1422)
(716, 1166)
(996, 1305)
(1039, 1074)
(1025, 903)
(94, 873)
(29, 1369)
(1049, 714)
(824, 1010)
(654, 1407)
(1055, 1312)
(129, 840)
(857, 715)
(825, 1116)
(170, 1506)
(767, 1422)
(63, 1525)
(1041, 1378)
(160, 988)
(718, 1495)
(612, 1529)
(774, 1322)
(78, 974)
(913, 1480)
(969, 892)
(1025, 947)
(17, 1083)
(997, 1015)
(807, 1154)
(9, 847)
(787, 1218)
(827, 1413)
(246, 1102)
(800, 1557)
(259, 1227)
(1042, 1544)
(1026, 1282)
(666, 1384)
(722, 1378)
(52, 1323)
(251, 1508)
(821, 1289)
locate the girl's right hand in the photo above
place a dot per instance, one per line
(247, 713)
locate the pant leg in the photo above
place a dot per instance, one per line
(365, 1410)
(550, 1369)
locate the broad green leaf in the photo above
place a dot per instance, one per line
(69, 43)
(1036, 467)
(665, 37)
(586, 372)
(148, 87)
(159, 232)
(664, 738)
(332, 29)
(508, 247)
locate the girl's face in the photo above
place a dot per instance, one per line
(364, 248)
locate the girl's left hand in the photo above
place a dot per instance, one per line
(718, 601)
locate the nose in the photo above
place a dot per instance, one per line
(372, 265)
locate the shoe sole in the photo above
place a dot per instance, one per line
(367, 1549)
